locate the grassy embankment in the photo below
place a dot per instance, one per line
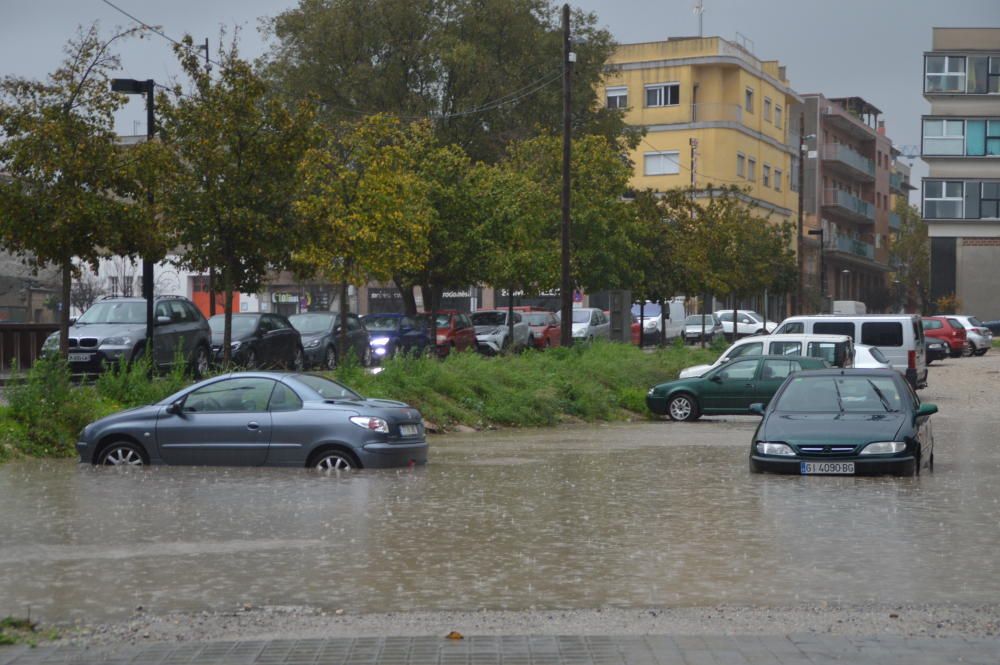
(602, 381)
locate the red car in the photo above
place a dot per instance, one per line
(544, 327)
(454, 331)
(949, 330)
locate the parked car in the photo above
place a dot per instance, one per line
(836, 350)
(320, 333)
(259, 340)
(493, 331)
(261, 418)
(936, 349)
(115, 328)
(728, 389)
(870, 357)
(899, 336)
(544, 327)
(590, 323)
(667, 322)
(980, 337)
(396, 333)
(993, 327)
(454, 331)
(693, 326)
(856, 422)
(748, 322)
(949, 330)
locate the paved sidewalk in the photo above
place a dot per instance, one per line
(541, 650)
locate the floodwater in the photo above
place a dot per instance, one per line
(630, 515)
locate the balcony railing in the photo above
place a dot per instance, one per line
(896, 182)
(894, 221)
(842, 243)
(715, 112)
(842, 154)
(849, 205)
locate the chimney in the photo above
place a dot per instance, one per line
(881, 127)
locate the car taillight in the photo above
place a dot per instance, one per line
(911, 359)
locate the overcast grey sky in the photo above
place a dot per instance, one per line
(869, 48)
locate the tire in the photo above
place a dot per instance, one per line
(122, 453)
(366, 357)
(251, 362)
(200, 363)
(981, 352)
(298, 359)
(968, 350)
(683, 407)
(330, 358)
(334, 461)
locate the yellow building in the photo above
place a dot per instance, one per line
(734, 106)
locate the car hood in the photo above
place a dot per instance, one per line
(482, 330)
(313, 336)
(135, 413)
(217, 338)
(832, 428)
(693, 371)
(102, 330)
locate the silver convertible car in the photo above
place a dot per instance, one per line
(261, 418)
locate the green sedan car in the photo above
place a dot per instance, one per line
(729, 389)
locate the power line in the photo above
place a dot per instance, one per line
(696, 172)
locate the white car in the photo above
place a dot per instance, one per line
(869, 357)
(838, 350)
(590, 323)
(493, 330)
(978, 335)
(748, 322)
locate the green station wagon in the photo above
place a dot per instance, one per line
(729, 389)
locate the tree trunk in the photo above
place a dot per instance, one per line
(67, 281)
(663, 325)
(409, 300)
(345, 309)
(211, 291)
(642, 322)
(735, 310)
(430, 306)
(510, 318)
(227, 334)
(704, 306)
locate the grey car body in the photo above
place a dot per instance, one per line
(260, 418)
(113, 329)
(320, 332)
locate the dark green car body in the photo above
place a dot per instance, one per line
(853, 422)
(729, 389)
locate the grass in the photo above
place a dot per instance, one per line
(19, 630)
(591, 382)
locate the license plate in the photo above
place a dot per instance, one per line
(832, 468)
(79, 357)
(409, 430)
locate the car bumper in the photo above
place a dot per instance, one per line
(488, 345)
(315, 356)
(385, 455)
(96, 360)
(863, 466)
(979, 341)
(85, 451)
(657, 404)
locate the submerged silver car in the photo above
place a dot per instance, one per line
(261, 419)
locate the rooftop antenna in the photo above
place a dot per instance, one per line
(208, 63)
(699, 9)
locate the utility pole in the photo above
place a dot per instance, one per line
(566, 288)
(211, 269)
(693, 142)
(800, 298)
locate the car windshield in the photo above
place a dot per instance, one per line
(326, 388)
(840, 394)
(754, 315)
(115, 312)
(311, 323)
(242, 325)
(581, 316)
(442, 321)
(651, 309)
(381, 323)
(537, 318)
(489, 318)
(695, 320)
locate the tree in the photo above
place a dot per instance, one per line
(486, 71)
(85, 290)
(236, 152)
(363, 205)
(910, 256)
(67, 180)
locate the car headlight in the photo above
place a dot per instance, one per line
(765, 448)
(650, 325)
(120, 340)
(884, 448)
(313, 344)
(380, 341)
(371, 424)
(51, 342)
(442, 339)
(234, 346)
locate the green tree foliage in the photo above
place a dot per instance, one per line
(487, 71)
(66, 181)
(236, 151)
(910, 255)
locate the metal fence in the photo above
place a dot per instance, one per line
(21, 343)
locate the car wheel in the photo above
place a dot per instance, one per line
(548, 342)
(330, 358)
(982, 352)
(298, 359)
(683, 407)
(251, 359)
(366, 357)
(335, 460)
(121, 453)
(968, 350)
(200, 363)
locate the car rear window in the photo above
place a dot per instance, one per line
(932, 324)
(831, 352)
(956, 324)
(834, 328)
(882, 333)
(976, 322)
(786, 348)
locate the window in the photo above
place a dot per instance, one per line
(748, 100)
(662, 163)
(882, 333)
(793, 328)
(617, 98)
(994, 76)
(989, 204)
(944, 137)
(663, 94)
(777, 117)
(743, 370)
(767, 109)
(752, 169)
(284, 399)
(944, 73)
(741, 165)
(753, 349)
(777, 180)
(766, 173)
(230, 395)
(786, 348)
(943, 199)
(931, 324)
(983, 75)
(778, 370)
(834, 328)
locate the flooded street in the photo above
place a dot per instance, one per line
(627, 515)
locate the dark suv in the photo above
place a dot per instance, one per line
(115, 328)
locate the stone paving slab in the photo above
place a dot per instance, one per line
(807, 649)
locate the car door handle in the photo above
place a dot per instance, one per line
(253, 425)
(749, 385)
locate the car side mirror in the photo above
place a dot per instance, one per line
(717, 378)
(757, 408)
(175, 408)
(163, 320)
(72, 320)
(926, 410)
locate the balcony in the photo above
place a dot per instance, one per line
(848, 161)
(847, 122)
(848, 245)
(897, 183)
(894, 222)
(848, 206)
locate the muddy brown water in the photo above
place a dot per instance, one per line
(628, 515)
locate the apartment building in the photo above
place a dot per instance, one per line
(960, 141)
(714, 114)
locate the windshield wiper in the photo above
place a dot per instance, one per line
(885, 402)
(840, 402)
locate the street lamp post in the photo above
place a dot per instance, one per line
(846, 274)
(147, 87)
(822, 268)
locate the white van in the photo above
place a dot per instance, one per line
(661, 324)
(900, 337)
(838, 350)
